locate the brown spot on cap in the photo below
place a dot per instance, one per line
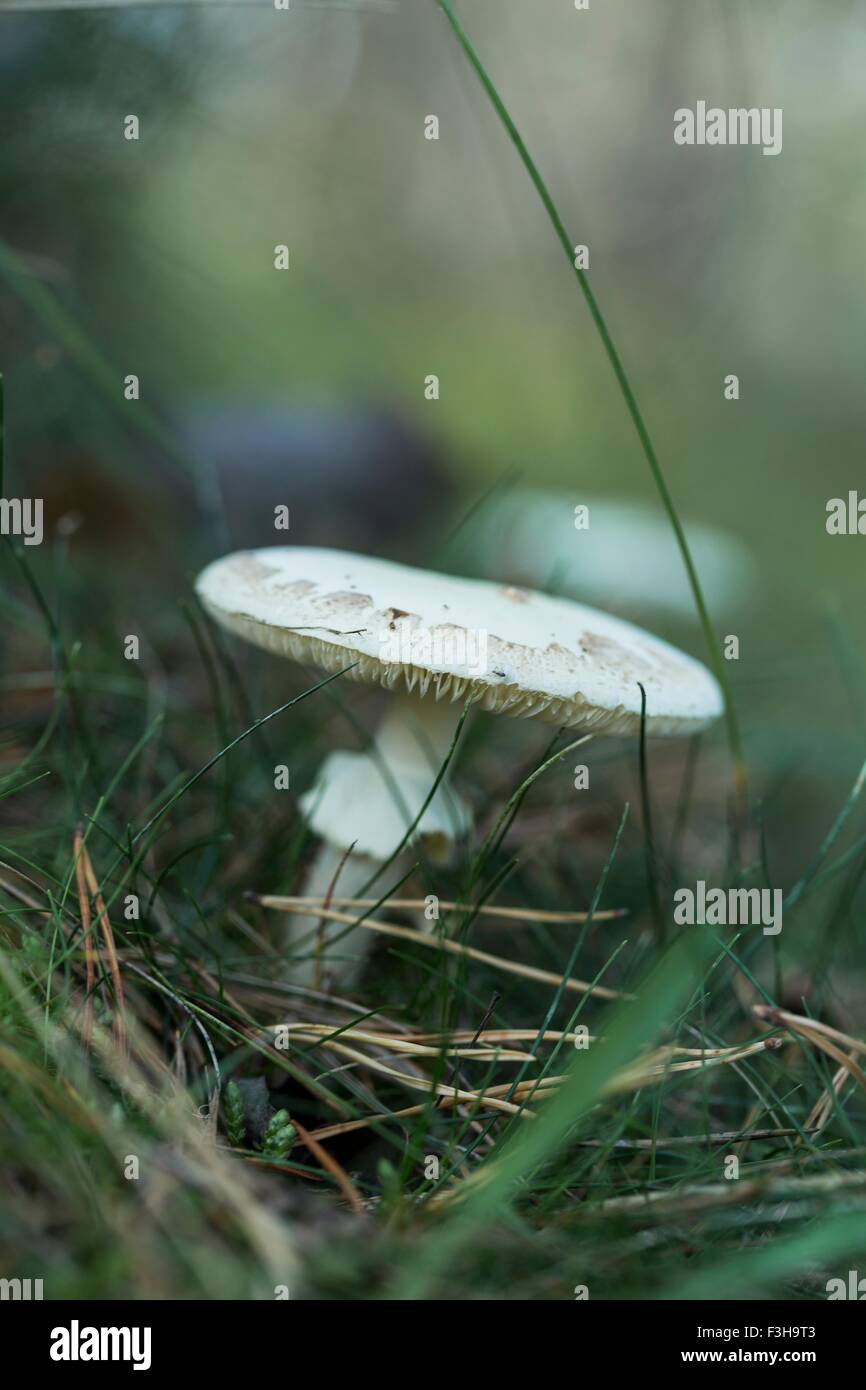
(298, 588)
(251, 567)
(604, 647)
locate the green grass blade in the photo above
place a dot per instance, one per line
(625, 387)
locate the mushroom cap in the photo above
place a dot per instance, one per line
(511, 650)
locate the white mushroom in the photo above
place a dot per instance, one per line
(436, 641)
(626, 558)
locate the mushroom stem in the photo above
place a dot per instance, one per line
(366, 803)
(320, 964)
(411, 744)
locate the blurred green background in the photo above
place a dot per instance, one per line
(411, 257)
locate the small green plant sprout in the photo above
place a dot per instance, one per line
(279, 1136)
(234, 1115)
(390, 1184)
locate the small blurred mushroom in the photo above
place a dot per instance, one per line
(435, 641)
(626, 557)
(349, 475)
(352, 475)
